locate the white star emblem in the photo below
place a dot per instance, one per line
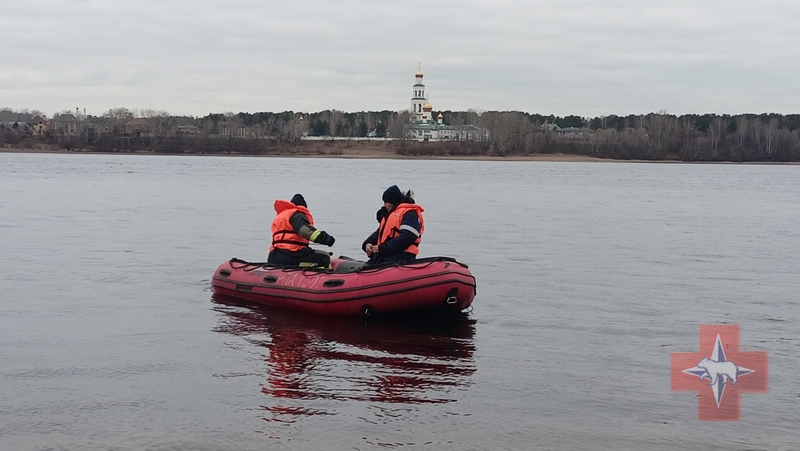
(718, 370)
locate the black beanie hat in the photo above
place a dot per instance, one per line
(393, 195)
(298, 199)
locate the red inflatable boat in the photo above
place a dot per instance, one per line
(350, 288)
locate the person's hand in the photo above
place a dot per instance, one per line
(371, 249)
(326, 239)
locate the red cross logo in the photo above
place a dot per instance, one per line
(720, 376)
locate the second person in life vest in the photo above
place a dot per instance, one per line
(292, 230)
(400, 230)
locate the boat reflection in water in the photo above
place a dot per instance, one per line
(329, 361)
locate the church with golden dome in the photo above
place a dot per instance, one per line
(418, 100)
(422, 127)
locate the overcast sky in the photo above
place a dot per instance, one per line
(584, 57)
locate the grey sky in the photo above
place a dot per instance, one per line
(563, 57)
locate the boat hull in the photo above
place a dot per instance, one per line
(349, 288)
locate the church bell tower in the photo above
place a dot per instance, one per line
(418, 99)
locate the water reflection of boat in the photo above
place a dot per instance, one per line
(414, 360)
(350, 288)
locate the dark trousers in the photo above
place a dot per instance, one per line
(305, 257)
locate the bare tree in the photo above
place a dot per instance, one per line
(716, 129)
(509, 132)
(689, 147)
(397, 126)
(659, 127)
(296, 127)
(119, 117)
(640, 121)
(771, 131)
(757, 134)
(601, 139)
(742, 130)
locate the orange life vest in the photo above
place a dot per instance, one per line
(283, 236)
(390, 226)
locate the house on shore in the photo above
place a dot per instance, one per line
(66, 124)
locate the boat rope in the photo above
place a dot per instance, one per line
(246, 266)
(409, 264)
(252, 266)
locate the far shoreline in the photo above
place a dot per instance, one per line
(384, 154)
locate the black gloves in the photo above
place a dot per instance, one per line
(325, 239)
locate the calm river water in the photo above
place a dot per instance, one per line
(589, 276)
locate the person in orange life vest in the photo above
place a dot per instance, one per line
(292, 230)
(400, 230)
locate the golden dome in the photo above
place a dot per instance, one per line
(440, 116)
(418, 74)
(427, 106)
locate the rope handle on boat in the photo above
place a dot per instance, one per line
(408, 264)
(252, 266)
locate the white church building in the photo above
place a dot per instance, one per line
(423, 127)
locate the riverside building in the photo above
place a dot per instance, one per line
(422, 127)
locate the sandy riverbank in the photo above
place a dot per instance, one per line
(357, 150)
(328, 150)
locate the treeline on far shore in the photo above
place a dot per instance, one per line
(653, 136)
